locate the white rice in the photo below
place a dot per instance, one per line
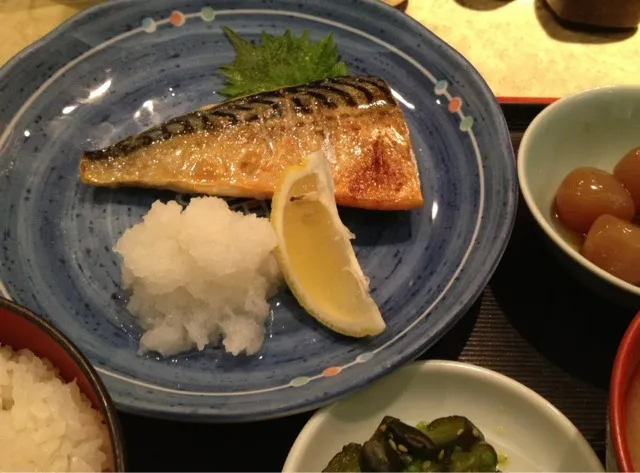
(199, 276)
(45, 423)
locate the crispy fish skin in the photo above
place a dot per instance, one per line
(240, 147)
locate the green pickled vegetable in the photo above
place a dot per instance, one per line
(481, 457)
(347, 460)
(487, 456)
(447, 444)
(377, 454)
(447, 432)
(433, 466)
(410, 440)
(422, 426)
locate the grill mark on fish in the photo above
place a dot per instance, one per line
(368, 96)
(103, 153)
(220, 113)
(140, 140)
(245, 108)
(264, 101)
(300, 106)
(348, 98)
(154, 134)
(187, 126)
(386, 91)
(194, 122)
(173, 128)
(213, 121)
(165, 133)
(274, 94)
(207, 121)
(214, 118)
(275, 106)
(326, 101)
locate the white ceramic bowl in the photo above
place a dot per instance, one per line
(533, 434)
(592, 128)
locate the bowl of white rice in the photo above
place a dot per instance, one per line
(55, 412)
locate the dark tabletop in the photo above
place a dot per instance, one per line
(533, 323)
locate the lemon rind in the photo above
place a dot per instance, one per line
(317, 164)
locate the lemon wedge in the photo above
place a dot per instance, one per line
(315, 253)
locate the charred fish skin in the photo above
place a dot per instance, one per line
(238, 148)
(347, 91)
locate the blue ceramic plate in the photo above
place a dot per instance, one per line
(124, 65)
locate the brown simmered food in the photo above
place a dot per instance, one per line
(587, 193)
(599, 209)
(627, 172)
(614, 245)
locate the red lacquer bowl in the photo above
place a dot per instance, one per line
(624, 368)
(21, 328)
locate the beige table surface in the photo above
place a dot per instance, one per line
(516, 45)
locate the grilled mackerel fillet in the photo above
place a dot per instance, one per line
(240, 147)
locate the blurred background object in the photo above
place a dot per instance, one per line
(25, 21)
(601, 13)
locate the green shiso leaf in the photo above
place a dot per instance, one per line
(279, 61)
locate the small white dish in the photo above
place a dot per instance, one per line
(596, 127)
(532, 433)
